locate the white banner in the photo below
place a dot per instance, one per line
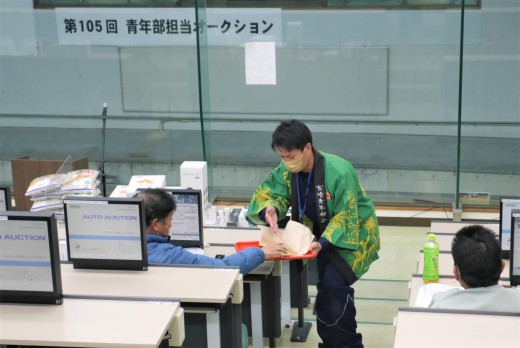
(166, 26)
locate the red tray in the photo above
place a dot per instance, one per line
(254, 244)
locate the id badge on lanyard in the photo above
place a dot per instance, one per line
(302, 207)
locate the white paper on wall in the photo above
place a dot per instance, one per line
(260, 63)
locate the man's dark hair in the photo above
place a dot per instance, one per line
(157, 204)
(477, 254)
(291, 135)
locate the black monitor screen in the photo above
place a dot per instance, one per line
(187, 220)
(106, 233)
(29, 258)
(515, 248)
(5, 198)
(506, 205)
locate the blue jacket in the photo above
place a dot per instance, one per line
(161, 251)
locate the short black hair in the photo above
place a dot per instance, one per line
(291, 135)
(158, 204)
(477, 254)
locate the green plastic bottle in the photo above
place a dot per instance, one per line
(431, 260)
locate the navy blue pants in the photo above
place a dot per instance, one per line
(335, 308)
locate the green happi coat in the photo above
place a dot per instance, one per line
(347, 216)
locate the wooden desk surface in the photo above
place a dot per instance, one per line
(188, 284)
(222, 242)
(446, 265)
(86, 323)
(425, 328)
(265, 268)
(214, 235)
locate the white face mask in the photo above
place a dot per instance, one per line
(297, 165)
(168, 228)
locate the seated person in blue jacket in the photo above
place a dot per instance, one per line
(477, 266)
(159, 208)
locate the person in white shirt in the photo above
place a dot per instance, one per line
(477, 266)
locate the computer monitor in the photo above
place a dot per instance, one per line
(106, 232)
(5, 198)
(514, 262)
(507, 203)
(187, 220)
(29, 258)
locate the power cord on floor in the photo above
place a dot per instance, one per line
(342, 313)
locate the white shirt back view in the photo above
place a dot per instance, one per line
(493, 298)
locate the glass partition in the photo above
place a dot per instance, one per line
(490, 142)
(378, 88)
(381, 89)
(59, 66)
(204, 92)
(376, 81)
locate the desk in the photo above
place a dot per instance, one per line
(301, 328)
(417, 282)
(221, 237)
(446, 264)
(422, 328)
(429, 213)
(262, 283)
(229, 236)
(87, 323)
(200, 289)
(455, 226)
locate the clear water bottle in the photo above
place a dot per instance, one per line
(431, 260)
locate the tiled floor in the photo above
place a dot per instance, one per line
(379, 293)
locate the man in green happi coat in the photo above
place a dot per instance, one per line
(325, 195)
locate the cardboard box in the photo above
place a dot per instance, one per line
(145, 181)
(119, 191)
(194, 174)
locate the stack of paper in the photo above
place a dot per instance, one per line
(296, 237)
(144, 182)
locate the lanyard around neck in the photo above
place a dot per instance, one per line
(301, 210)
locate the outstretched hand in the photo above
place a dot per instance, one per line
(316, 247)
(271, 217)
(274, 250)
